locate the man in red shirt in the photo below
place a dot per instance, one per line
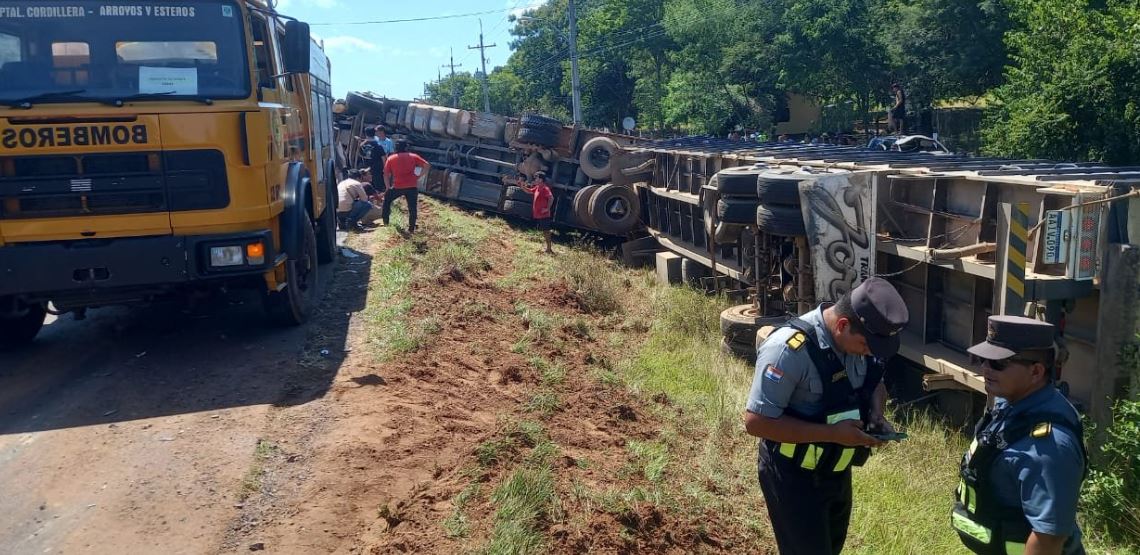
(401, 172)
(542, 204)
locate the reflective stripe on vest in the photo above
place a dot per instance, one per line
(1014, 548)
(845, 459)
(811, 457)
(814, 452)
(963, 524)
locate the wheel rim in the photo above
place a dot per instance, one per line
(599, 157)
(617, 208)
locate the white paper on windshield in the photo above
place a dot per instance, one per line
(169, 80)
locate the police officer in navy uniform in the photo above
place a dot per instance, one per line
(816, 396)
(1020, 481)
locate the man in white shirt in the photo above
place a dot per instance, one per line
(354, 210)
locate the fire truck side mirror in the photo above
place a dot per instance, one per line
(295, 51)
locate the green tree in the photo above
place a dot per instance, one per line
(1072, 91)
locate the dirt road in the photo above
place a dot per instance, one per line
(446, 376)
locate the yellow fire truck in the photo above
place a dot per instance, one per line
(153, 149)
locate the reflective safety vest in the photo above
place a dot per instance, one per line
(983, 524)
(841, 401)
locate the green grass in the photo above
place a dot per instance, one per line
(523, 502)
(544, 402)
(651, 457)
(254, 479)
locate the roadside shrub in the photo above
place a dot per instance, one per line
(1111, 499)
(592, 280)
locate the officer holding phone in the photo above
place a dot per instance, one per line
(816, 398)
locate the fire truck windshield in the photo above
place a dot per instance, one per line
(80, 50)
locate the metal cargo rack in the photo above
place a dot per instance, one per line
(942, 236)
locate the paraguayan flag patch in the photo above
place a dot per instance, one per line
(773, 373)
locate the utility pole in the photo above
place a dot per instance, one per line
(576, 94)
(483, 56)
(454, 89)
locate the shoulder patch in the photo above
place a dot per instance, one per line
(1042, 430)
(797, 340)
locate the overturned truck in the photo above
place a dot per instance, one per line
(787, 226)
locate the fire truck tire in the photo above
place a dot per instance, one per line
(736, 210)
(21, 327)
(326, 230)
(518, 194)
(537, 122)
(582, 205)
(615, 209)
(596, 159)
(292, 305)
(774, 188)
(738, 182)
(518, 209)
(745, 351)
(360, 104)
(692, 272)
(775, 219)
(538, 136)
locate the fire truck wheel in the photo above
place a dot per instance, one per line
(20, 326)
(615, 209)
(709, 198)
(538, 136)
(535, 121)
(582, 205)
(739, 323)
(692, 272)
(775, 219)
(518, 209)
(774, 188)
(326, 233)
(291, 306)
(727, 233)
(596, 159)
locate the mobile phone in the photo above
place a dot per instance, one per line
(896, 436)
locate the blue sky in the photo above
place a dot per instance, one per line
(395, 59)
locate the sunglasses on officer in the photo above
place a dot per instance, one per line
(1000, 365)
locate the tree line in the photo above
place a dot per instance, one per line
(1058, 79)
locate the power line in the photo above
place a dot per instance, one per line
(431, 18)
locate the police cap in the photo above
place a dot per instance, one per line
(882, 314)
(1008, 335)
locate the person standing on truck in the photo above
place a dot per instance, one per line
(896, 116)
(1020, 481)
(402, 171)
(542, 204)
(354, 209)
(817, 404)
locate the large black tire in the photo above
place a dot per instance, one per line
(615, 209)
(774, 188)
(517, 193)
(739, 181)
(743, 351)
(582, 205)
(692, 272)
(518, 209)
(775, 219)
(541, 137)
(292, 305)
(709, 198)
(736, 210)
(326, 231)
(727, 233)
(537, 122)
(738, 324)
(596, 159)
(21, 328)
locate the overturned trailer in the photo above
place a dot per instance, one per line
(792, 225)
(961, 238)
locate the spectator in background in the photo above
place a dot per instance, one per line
(402, 172)
(541, 206)
(354, 210)
(896, 116)
(384, 140)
